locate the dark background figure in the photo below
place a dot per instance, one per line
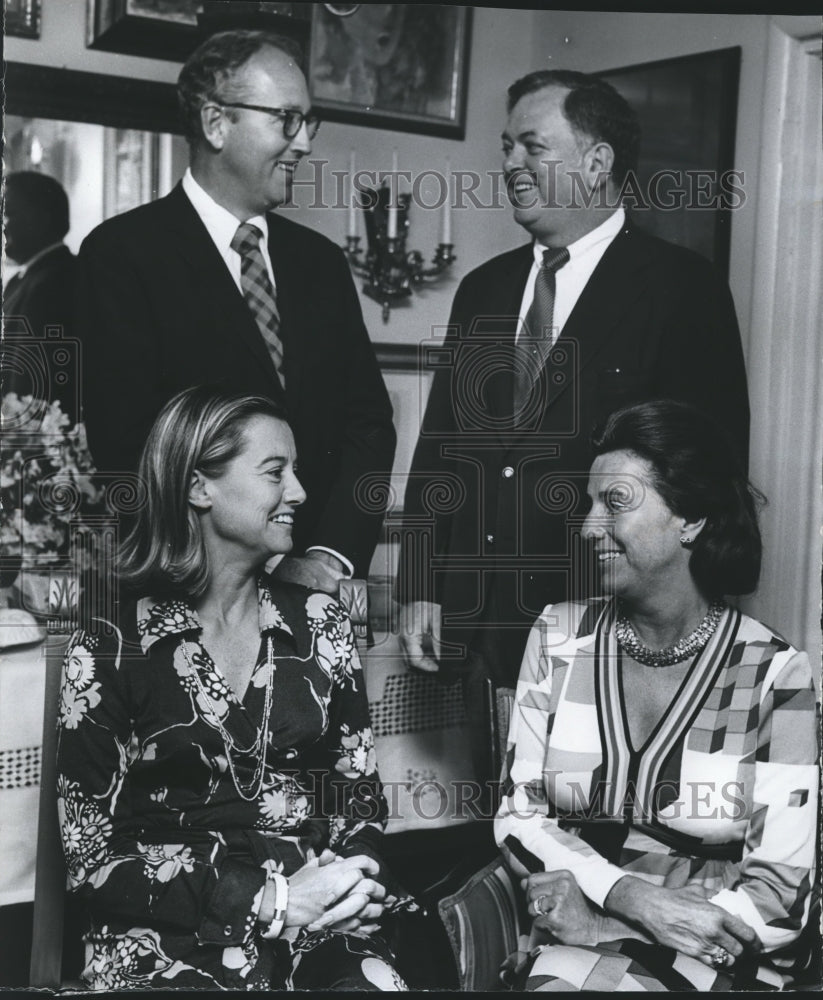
(35, 361)
(164, 304)
(633, 316)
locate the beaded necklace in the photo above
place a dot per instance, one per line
(251, 791)
(681, 650)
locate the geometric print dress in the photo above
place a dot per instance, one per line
(722, 795)
(169, 859)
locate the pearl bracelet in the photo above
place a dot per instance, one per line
(281, 903)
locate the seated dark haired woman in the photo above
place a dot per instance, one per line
(661, 781)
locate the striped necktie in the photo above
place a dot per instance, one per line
(258, 291)
(536, 337)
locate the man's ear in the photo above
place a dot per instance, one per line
(213, 122)
(599, 160)
(199, 491)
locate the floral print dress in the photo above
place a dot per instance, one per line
(169, 858)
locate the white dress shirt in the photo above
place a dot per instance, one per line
(584, 256)
(222, 226)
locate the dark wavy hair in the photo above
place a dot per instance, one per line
(593, 108)
(200, 428)
(209, 72)
(698, 474)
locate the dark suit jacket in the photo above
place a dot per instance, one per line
(158, 311)
(653, 320)
(40, 353)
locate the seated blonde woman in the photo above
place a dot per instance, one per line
(219, 802)
(661, 781)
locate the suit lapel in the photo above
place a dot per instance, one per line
(291, 291)
(496, 320)
(616, 282)
(226, 306)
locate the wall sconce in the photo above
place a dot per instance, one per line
(392, 272)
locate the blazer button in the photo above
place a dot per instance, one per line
(227, 930)
(508, 472)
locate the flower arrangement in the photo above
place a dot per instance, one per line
(46, 482)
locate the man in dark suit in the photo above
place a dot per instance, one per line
(179, 292)
(39, 356)
(631, 317)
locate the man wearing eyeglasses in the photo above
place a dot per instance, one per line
(208, 284)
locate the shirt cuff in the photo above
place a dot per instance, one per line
(597, 880)
(348, 569)
(231, 911)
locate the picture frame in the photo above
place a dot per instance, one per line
(687, 108)
(161, 29)
(136, 169)
(22, 18)
(172, 29)
(396, 66)
(408, 381)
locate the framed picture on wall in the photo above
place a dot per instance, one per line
(397, 66)
(171, 29)
(687, 188)
(22, 18)
(160, 29)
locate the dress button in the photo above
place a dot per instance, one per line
(227, 930)
(490, 539)
(508, 472)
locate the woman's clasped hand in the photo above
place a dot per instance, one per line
(334, 893)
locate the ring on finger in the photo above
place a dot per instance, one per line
(540, 908)
(720, 958)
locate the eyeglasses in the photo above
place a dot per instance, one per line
(293, 119)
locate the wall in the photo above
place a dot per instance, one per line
(62, 44)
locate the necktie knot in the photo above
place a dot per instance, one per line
(554, 258)
(246, 239)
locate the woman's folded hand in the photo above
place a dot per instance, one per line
(683, 919)
(560, 908)
(323, 892)
(358, 913)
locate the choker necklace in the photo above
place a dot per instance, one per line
(681, 650)
(251, 791)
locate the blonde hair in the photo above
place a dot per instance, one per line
(200, 428)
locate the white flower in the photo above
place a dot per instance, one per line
(275, 805)
(79, 667)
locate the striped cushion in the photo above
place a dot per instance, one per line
(482, 924)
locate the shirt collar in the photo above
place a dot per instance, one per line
(606, 231)
(220, 222)
(38, 256)
(158, 618)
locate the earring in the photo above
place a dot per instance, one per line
(684, 540)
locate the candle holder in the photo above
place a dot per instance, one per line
(390, 271)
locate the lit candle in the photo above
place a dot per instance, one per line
(352, 198)
(446, 236)
(392, 222)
